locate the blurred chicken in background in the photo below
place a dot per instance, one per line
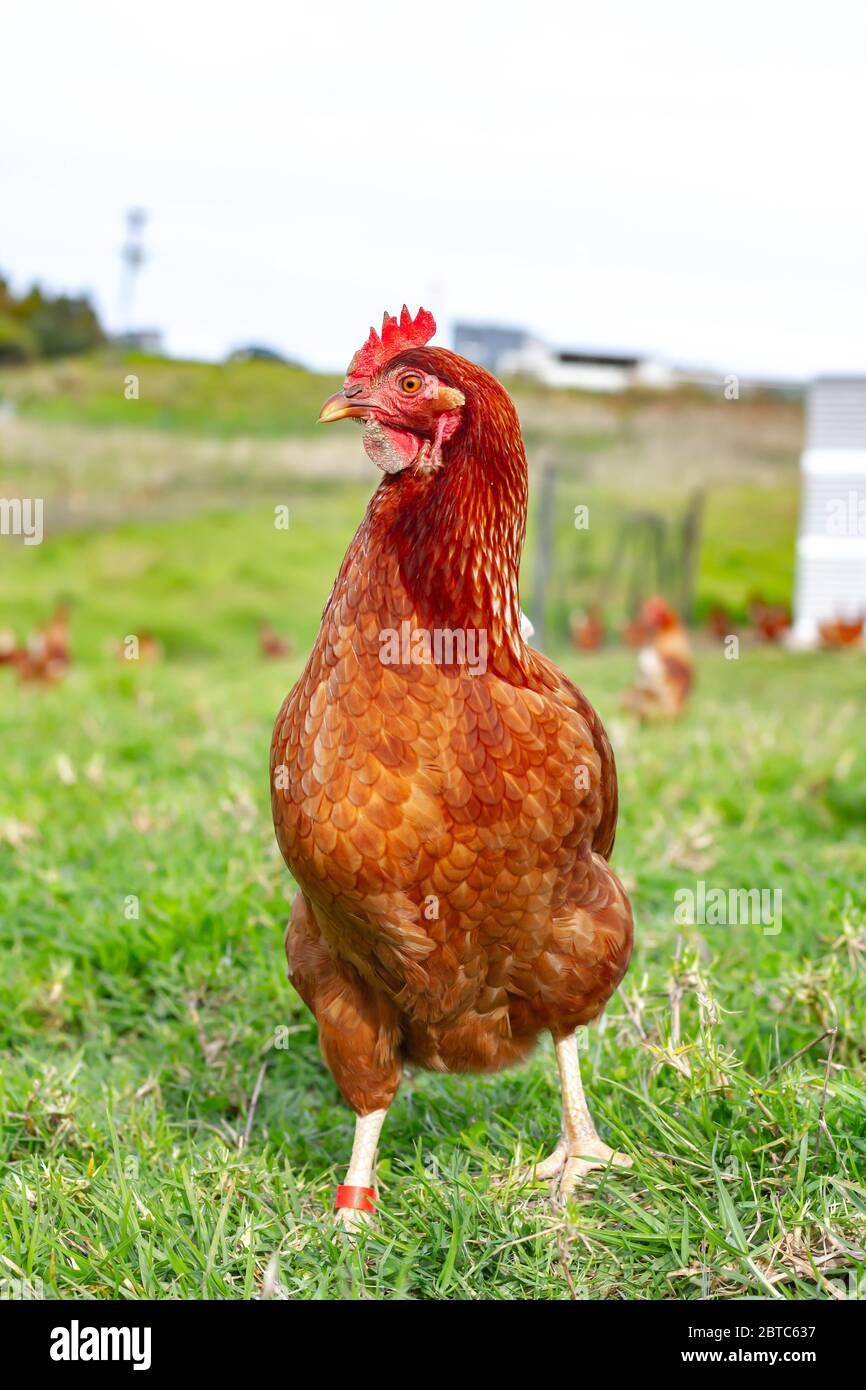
(8, 646)
(587, 629)
(720, 622)
(770, 620)
(273, 647)
(665, 666)
(144, 648)
(55, 636)
(46, 654)
(635, 633)
(149, 647)
(35, 663)
(842, 632)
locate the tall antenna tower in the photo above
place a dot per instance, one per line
(132, 256)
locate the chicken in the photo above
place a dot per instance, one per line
(720, 622)
(634, 633)
(142, 647)
(46, 655)
(771, 620)
(272, 646)
(842, 632)
(665, 667)
(444, 796)
(56, 637)
(587, 630)
(8, 647)
(36, 662)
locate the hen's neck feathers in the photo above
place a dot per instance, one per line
(456, 532)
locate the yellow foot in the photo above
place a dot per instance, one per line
(592, 1154)
(552, 1166)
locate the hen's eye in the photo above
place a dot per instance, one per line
(411, 383)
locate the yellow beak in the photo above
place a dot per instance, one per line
(340, 407)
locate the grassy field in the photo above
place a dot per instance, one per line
(143, 999)
(232, 439)
(260, 399)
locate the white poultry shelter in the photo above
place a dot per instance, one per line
(831, 545)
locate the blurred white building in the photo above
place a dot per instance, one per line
(831, 545)
(516, 352)
(147, 341)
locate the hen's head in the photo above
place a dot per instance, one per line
(657, 616)
(396, 387)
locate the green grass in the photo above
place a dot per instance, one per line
(142, 905)
(202, 583)
(210, 436)
(132, 1046)
(264, 399)
(213, 576)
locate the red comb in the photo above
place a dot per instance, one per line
(397, 336)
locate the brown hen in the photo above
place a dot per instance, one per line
(666, 672)
(842, 632)
(444, 796)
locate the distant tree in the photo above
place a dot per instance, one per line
(45, 325)
(17, 342)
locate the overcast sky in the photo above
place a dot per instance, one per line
(685, 178)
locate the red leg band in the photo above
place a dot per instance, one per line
(358, 1198)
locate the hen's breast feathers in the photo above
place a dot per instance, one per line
(441, 823)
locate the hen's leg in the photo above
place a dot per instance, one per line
(359, 1036)
(581, 1147)
(578, 1149)
(361, 1170)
